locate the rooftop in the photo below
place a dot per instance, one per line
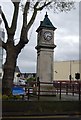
(46, 23)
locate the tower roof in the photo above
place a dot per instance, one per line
(46, 23)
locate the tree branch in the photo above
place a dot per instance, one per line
(36, 4)
(32, 19)
(24, 31)
(35, 13)
(2, 44)
(5, 21)
(26, 8)
(15, 16)
(15, 1)
(33, 16)
(25, 27)
(23, 36)
(45, 4)
(19, 46)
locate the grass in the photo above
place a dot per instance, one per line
(45, 105)
(40, 107)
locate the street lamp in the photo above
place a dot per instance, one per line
(70, 72)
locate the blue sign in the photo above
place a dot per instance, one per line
(18, 91)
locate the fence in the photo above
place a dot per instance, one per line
(60, 87)
(73, 87)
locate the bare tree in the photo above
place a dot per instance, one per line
(12, 50)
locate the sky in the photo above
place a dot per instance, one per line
(66, 36)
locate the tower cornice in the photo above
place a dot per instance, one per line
(45, 46)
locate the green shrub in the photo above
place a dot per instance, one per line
(11, 97)
(31, 79)
(4, 97)
(17, 97)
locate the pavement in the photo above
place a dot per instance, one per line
(64, 97)
(53, 117)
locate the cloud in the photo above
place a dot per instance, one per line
(27, 59)
(66, 37)
(67, 51)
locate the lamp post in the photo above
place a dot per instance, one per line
(70, 72)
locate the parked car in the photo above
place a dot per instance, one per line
(22, 82)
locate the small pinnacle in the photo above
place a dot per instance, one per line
(46, 15)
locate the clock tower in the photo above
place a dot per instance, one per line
(45, 49)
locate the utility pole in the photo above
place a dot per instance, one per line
(70, 72)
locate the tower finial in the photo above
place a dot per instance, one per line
(46, 15)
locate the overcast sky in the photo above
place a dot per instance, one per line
(66, 36)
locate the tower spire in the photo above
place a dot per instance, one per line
(46, 23)
(46, 15)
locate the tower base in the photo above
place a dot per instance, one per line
(47, 90)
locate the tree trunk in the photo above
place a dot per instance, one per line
(9, 69)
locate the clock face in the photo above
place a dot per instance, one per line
(47, 35)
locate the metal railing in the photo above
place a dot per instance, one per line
(67, 87)
(60, 87)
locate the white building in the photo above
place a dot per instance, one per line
(62, 69)
(16, 79)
